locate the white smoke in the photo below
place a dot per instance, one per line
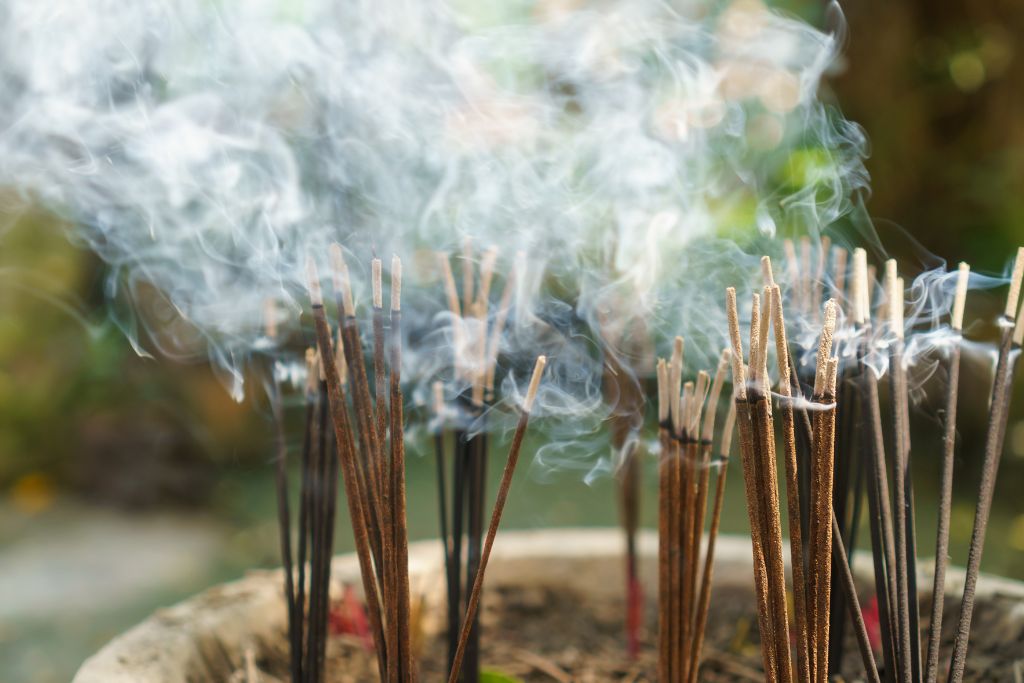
(633, 150)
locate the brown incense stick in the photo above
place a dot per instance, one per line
(370, 464)
(821, 463)
(821, 555)
(707, 434)
(499, 507)
(343, 433)
(745, 429)
(767, 488)
(946, 484)
(792, 488)
(998, 411)
(401, 542)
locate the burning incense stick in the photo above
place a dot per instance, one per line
(1009, 348)
(499, 507)
(894, 307)
(812, 589)
(946, 484)
(745, 428)
(882, 551)
(358, 512)
(792, 486)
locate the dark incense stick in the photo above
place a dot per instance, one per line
(284, 529)
(853, 605)
(946, 484)
(1009, 347)
(873, 455)
(499, 508)
(907, 640)
(357, 513)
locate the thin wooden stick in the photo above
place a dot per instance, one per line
(499, 507)
(946, 484)
(850, 589)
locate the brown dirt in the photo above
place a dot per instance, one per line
(553, 633)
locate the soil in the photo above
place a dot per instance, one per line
(554, 633)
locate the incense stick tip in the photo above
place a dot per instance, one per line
(766, 270)
(316, 296)
(960, 298)
(438, 389)
(340, 277)
(1015, 278)
(531, 392)
(376, 268)
(396, 283)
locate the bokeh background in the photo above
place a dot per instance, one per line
(129, 482)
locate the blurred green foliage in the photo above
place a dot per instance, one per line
(77, 405)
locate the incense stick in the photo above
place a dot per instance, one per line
(284, 529)
(1009, 347)
(850, 590)
(792, 487)
(946, 483)
(745, 428)
(499, 507)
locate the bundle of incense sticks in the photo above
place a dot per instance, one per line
(306, 593)
(476, 337)
(684, 591)
(861, 434)
(811, 543)
(318, 501)
(369, 436)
